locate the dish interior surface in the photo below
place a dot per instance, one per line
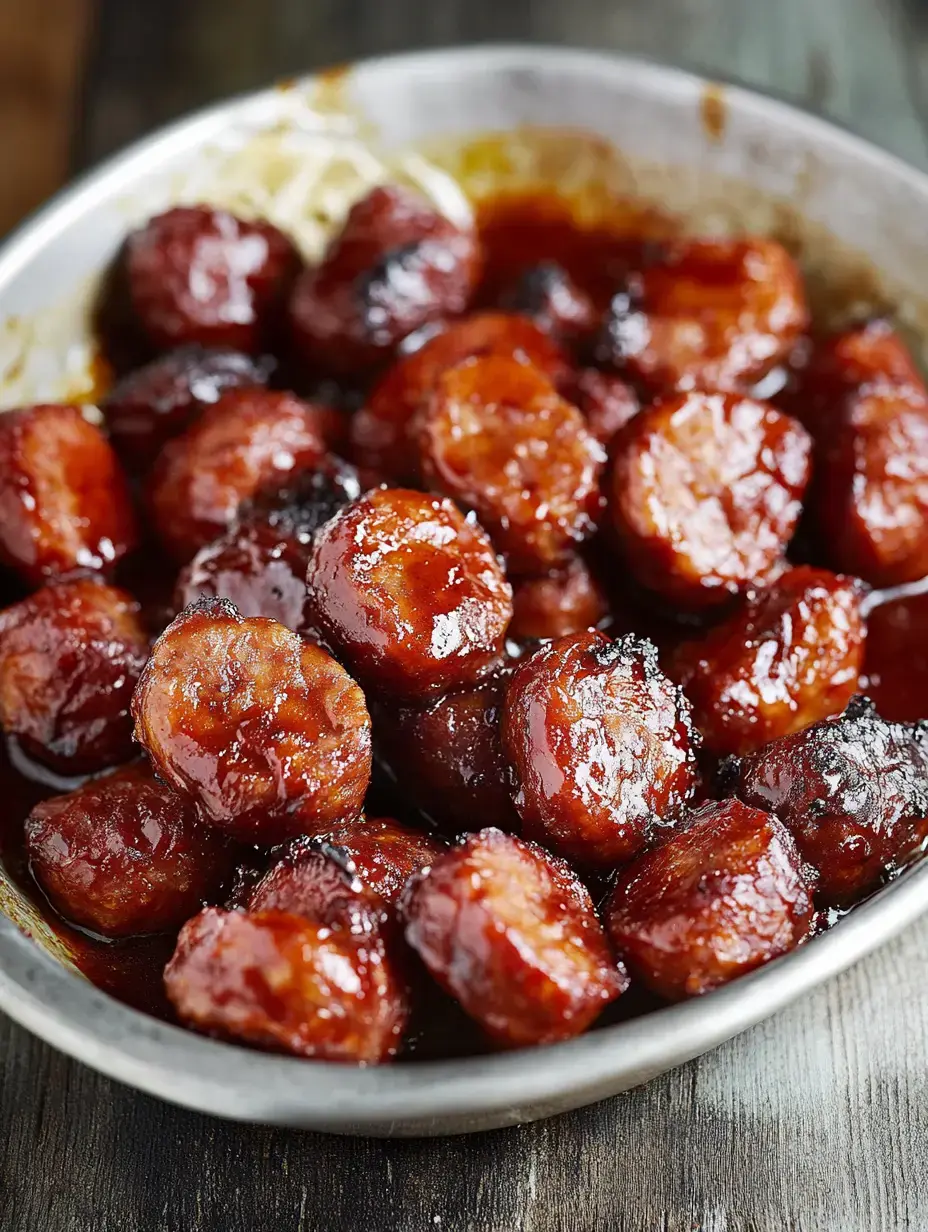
(643, 147)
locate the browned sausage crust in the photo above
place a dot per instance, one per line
(395, 266)
(410, 592)
(713, 902)
(64, 501)
(705, 494)
(853, 791)
(510, 931)
(266, 733)
(601, 746)
(788, 656)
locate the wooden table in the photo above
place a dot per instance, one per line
(816, 1120)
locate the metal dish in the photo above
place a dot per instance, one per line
(724, 158)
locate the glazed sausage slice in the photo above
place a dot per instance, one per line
(787, 657)
(64, 501)
(510, 931)
(70, 656)
(853, 791)
(410, 592)
(259, 569)
(601, 746)
(707, 314)
(448, 757)
(705, 494)
(122, 855)
(713, 902)
(567, 600)
(871, 490)
(152, 404)
(497, 438)
(250, 439)
(384, 853)
(201, 275)
(395, 266)
(382, 436)
(264, 732)
(289, 984)
(841, 367)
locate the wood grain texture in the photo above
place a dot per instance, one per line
(42, 45)
(816, 1121)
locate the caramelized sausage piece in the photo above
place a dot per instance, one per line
(705, 494)
(844, 366)
(259, 569)
(871, 490)
(395, 266)
(715, 901)
(787, 657)
(896, 659)
(410, 592)
(567, 600)
(305, 501)
(122, 855)
(149, 406)
(265, 732)
(707, 314)
(510, 931)
(606, 401)
(601, 745)
(448, 758)
(289, 984)
(382, 436)
(200, 275)
(547, 295)
(250, 439)
(64, 502)
(497, 437)
(384, 853)
(70, 656)
(853, 791)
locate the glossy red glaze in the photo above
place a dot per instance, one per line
(705, 494)
(567, 600)
(257, 567)
(264, 732)
(601, 746)
(410, 593)
(250, 439)
(853, 791)
(64, 501)
(123, 855)
(384, 853)
(382, 435)
(395, 265)
(713, 902)
(70, 656)
(497, 437)
(201, 275)
(289, 984)
(788, 656)
(707, 314)
(510, 931)
(448, 757)
(152, 404)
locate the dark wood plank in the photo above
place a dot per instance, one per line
(816, 1120)
(42, 47)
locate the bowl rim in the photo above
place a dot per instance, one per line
(206, 1075)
